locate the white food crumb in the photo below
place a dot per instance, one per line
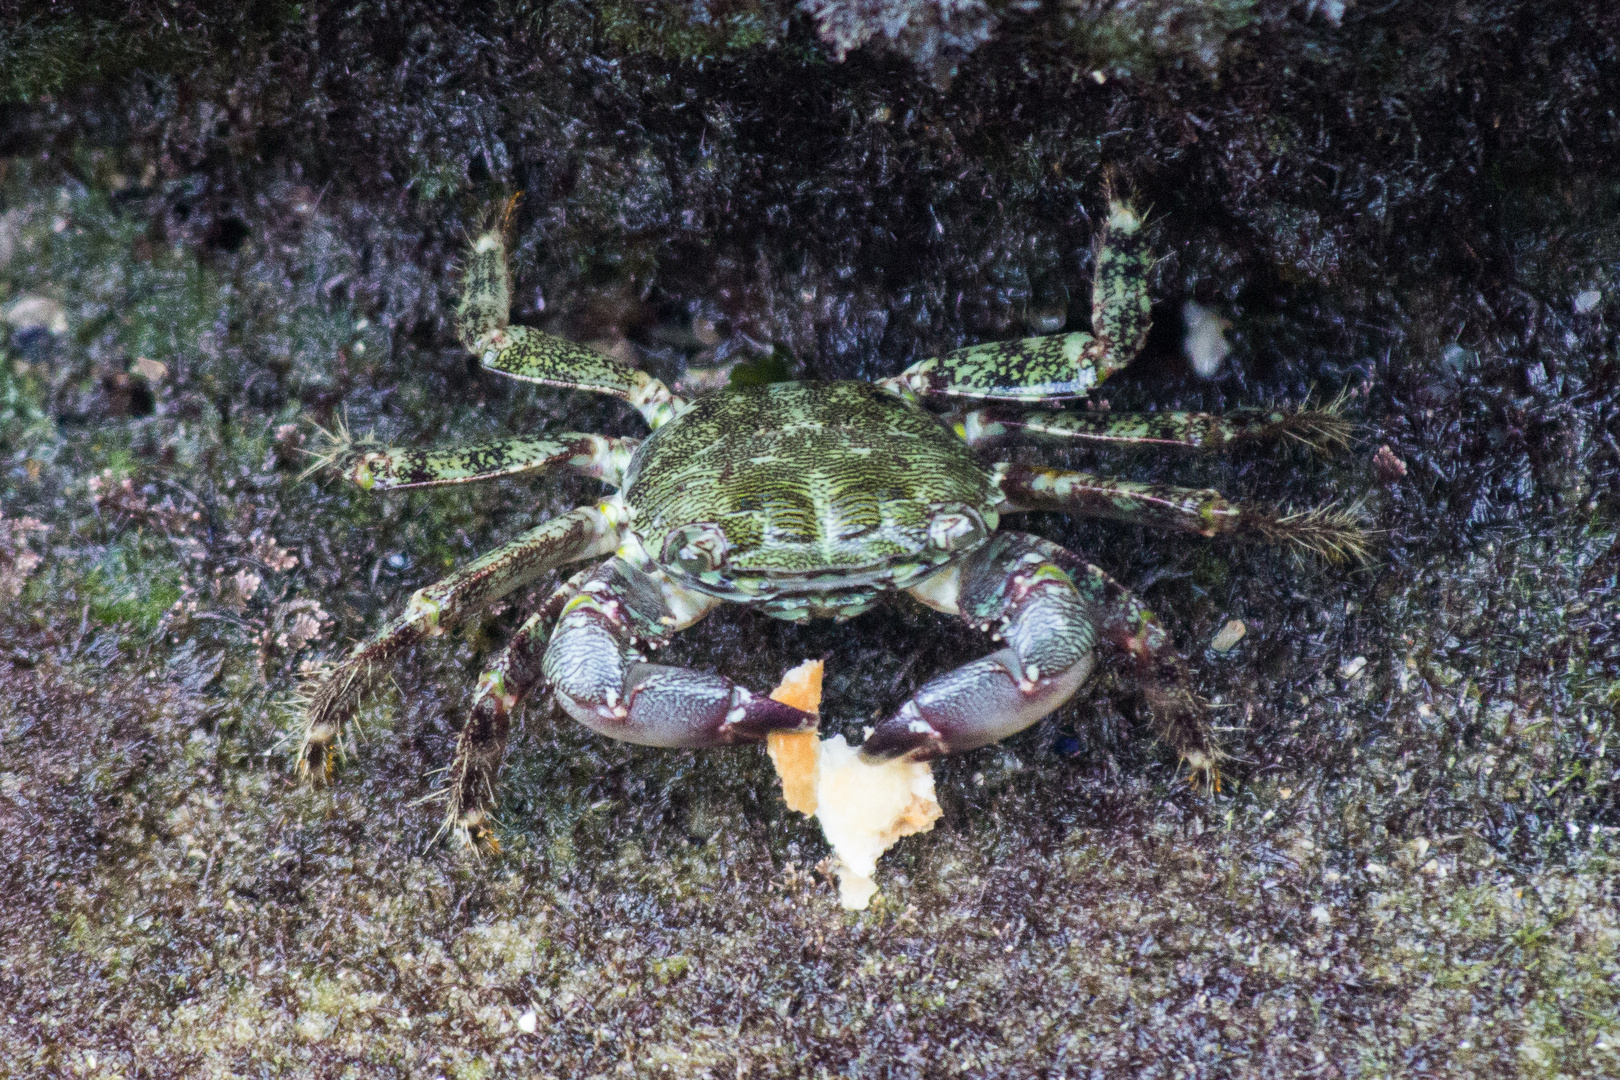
(864, 809)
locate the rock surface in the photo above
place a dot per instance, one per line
(249, 219)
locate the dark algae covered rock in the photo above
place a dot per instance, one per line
(224, 228)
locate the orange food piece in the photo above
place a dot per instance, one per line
(801, 687)
(797, 754)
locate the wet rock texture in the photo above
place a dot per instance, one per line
(220, 225)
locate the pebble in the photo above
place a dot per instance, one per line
(1228, 636)
(1205, 344)
(37, 313)
(150, 370)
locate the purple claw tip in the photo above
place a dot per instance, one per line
(762, 715)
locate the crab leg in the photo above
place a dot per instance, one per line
(599, 675)
(1125, 623)
(1194, 431)
(578, 534)
(1012, 585)
(1327, 531)
(501, 689)
(1064, 365)
(391, 469)
(527, 354)
(1196, 510)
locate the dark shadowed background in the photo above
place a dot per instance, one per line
(222, 225)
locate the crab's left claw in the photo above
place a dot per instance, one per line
(1012, 584)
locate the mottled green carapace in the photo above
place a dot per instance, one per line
(818, 495)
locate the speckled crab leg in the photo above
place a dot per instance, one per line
(1010, 586)
(579, 534)
(1194, 431)
(388, 469)
(1328, 531)
(1125, 623)
(527, 354)
(598, 671)
(514, 675)
(1196, 510)
(1061, 366)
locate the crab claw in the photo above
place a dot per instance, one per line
(977, 704)
(1049, 631)
(672, 706)
(752, 717)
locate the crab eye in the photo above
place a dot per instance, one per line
(696, 549)
(956, 530)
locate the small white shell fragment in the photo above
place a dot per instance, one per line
(151, 370)
(37, 313)
(1352, 667)
(1205, 345)
(864, 809)
(1588, 300)
(1226, 639)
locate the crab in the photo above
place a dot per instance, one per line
(811, 500)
